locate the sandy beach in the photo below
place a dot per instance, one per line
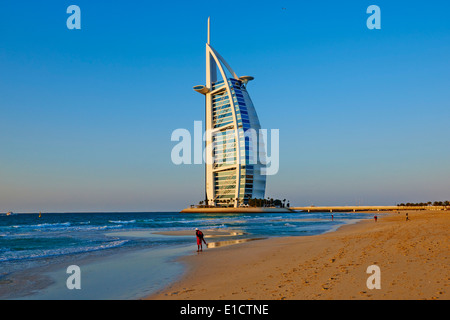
(413, 257)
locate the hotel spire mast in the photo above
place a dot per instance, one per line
(209, 30)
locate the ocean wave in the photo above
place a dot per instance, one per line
(289, 225)
(41, 226)
(67, 226)
(9, 255)
(120, 221)
(94, 228)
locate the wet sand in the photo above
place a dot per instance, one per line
(209, 233)
(413, 257)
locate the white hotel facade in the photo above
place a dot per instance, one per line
(234, 151)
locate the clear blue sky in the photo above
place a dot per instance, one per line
(86, 115)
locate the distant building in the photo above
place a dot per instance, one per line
(234, 153)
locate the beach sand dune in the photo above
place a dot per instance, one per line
(413, 257)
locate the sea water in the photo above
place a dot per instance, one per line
(116, 244)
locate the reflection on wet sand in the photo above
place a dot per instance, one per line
(208, 233)
(230, 242)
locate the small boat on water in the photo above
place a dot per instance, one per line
(9, 213)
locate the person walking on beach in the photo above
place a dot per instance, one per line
(407, 216)
(375, 218)
(200, 239)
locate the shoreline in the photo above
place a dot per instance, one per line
(248, 210)
(126, 278)
(412, 256)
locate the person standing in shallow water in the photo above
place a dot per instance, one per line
(200, 239)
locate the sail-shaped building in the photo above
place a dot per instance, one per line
(234, 150)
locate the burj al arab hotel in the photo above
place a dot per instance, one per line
(233, 147)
